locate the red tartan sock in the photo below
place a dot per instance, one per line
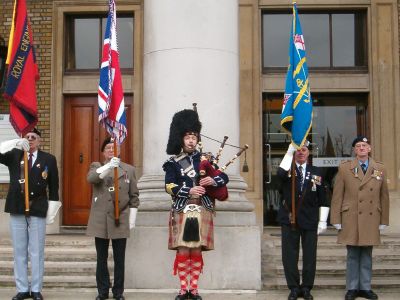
(196, 267)
(181, 267)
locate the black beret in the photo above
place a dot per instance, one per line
(106, 141)
(35, 130)
(360, 138)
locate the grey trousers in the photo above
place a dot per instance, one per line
(359, 267)
(28, 238)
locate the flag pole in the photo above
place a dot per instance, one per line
(26, 183)
(116, 187)
(293, 213)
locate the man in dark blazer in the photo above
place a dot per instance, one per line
(28, 231)
(310, 198)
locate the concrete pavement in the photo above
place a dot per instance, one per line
(90, 294)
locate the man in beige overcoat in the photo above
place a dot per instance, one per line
(360, 210)
(102, 223)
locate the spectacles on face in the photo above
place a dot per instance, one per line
(31, 137)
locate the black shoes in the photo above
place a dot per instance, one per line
(119, 297)
(367, 294)
(294, 294)
(306, 294)
(22, 296)
(182, 296)
(101, 297)
(36, 296)
(194, 296)
(351, 295)
(188, 295)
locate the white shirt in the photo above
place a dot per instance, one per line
(304, 169)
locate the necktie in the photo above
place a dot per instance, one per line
(364, 168)
(30, 161)
(301, 177)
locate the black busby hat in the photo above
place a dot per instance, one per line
(360, 138)
(35, 130)
(184, 122)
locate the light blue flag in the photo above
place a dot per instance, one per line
(296, 117)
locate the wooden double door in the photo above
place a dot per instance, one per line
(83, 136)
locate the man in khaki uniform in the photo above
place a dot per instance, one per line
(360, 210)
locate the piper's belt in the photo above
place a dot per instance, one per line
(182, 202)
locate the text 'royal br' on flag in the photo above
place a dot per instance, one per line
(296, 117)
(22, 72)
(111, 96)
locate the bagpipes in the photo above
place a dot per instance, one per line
(209, 167)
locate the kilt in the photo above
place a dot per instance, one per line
(176, 226)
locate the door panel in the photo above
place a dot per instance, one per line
(83, 137)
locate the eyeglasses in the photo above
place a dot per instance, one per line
(30, 137)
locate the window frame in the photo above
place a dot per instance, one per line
(69, 40)
(361, 22)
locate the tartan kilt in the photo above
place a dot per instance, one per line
(176, 226)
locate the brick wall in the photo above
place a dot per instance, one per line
(40, 16)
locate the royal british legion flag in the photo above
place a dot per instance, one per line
(22, 73)
(111, 96)
(296, 117)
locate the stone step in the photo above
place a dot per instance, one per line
(55, 268)
(82, 281)
(333, 283)
(331, 262)
(339, 270)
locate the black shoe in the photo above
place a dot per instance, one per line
(119, 297)
(294, 294)
(36, 296)
(101, 297)
(22, 296)
(305, 293)
(182, 296)
(195, 296)
(351, 295)
(367, 294)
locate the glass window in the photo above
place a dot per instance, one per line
(85, 35)
(343, 40)
(334, 40)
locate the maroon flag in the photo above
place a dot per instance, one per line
(22, 72)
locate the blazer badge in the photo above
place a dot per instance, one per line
(44, 173)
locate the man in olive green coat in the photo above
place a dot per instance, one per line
(360, 210)
(102, 223)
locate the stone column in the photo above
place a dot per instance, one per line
(191, 55)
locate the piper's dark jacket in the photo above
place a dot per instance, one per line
(43, 175)
(307, 208)
(178, 182)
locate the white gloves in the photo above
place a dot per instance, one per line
(323, 216)
(382, 227)
(105, 170)
(132, 217)
(337, 226)
(287, 159)
(54, 206)
(22, 144)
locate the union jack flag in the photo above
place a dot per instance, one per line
(111, 95)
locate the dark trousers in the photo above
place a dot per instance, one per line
(102, 274)
(290, 256)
